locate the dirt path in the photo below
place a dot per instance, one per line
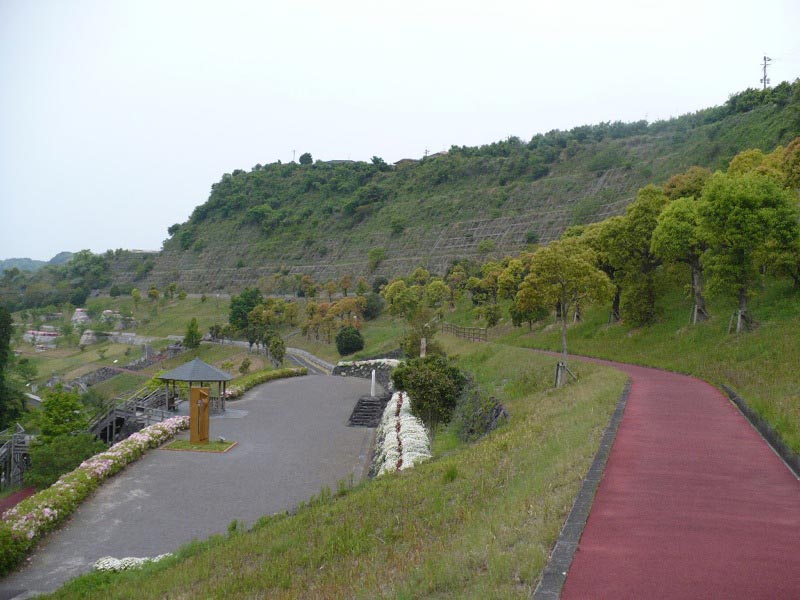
(693, 503)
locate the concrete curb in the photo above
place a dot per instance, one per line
(789, 456)
(555, 573)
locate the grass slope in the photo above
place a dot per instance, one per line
(760, 365)
(477, 522)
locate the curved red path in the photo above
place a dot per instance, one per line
(693, 503)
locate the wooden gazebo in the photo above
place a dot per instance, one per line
(200, 373)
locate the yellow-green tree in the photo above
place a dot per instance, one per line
(677, 238)
(564, 273)
(741, 217)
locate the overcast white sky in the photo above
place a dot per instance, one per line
(117, 116)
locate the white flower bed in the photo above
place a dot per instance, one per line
(401, 440)
(109, 563)
(392, 362)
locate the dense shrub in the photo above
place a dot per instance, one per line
(59, 455)
(349, 340)
(410, 344)
(434, 383)
(373, 307)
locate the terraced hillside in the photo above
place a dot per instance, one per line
(324, 218)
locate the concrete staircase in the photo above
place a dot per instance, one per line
(368, 411)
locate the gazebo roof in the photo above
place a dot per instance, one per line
(196, 370)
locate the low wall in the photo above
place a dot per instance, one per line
(363, 368)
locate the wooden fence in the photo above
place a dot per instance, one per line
(474, 334)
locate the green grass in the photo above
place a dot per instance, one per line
(478, 522)
(760, 365)
(381, 335)
(70, 363)
(120, 385)
(187, 446)
(173, 318)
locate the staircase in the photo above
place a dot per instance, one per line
(368, 411)
(14, 459)
(120, 417)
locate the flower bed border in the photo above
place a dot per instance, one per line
(22, 526)
(251, 380)
(401, 440)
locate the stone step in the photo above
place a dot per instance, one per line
(367, 412)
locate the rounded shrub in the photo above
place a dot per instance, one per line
(349, 340)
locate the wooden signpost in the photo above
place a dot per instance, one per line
(199, 401)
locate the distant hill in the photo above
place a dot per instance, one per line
(324, 218)
(30, 264)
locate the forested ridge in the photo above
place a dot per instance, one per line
(275, 223)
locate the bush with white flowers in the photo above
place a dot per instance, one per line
(24, 524)
(401, 440)
(109, 563)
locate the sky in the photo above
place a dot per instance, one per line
(116, 117)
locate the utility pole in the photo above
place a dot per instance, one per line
(293, 153)
(765, 80)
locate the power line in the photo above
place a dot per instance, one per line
(765, 79)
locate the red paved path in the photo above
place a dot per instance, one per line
(13, 499)
(693, 503)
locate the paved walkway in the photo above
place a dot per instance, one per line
(293, 440)
(693, 503)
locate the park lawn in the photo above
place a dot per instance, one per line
(478, 522)
(381, 336)
(760, 365)
(173, 317)
(187, 446)
(120, 385)
(71, 363)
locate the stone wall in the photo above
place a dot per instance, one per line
(363, 368)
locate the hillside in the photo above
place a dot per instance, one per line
(31, 264)
(323, 218)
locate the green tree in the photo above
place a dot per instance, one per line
(193, 337)
(528, 306)
(58, 455)
(564, 273)
(741, 217)
(330, 288)
(436, 294)
(677, 238)
(633, 257)
(61, 414)
(345, 283)
(11, 401)
(434, 385)
(373, 306)
(362, 286)
(375, 257)
(242, 305)
(306, 159)
(137, 297)
(277, 350)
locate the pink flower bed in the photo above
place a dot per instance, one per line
(23, 525)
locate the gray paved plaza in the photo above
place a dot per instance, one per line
(292, 439)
